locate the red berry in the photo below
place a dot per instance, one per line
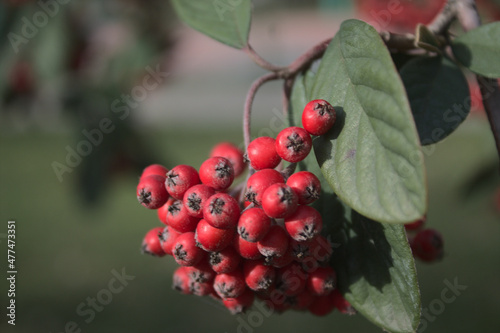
(168, 237)
(213, 239)
(151, 192)
(181, 280)
(246, 249)
(222, 211)
(154, 169)
(300, 250)
(291, 279)
(282, 261)
(279, 200)
(225, 261)
(195, 198)
(304, 224)
(306, 185)
(180, 179)
(275, 243)
(230, 285)
(185, 251)
(428, 245)
(321, 306)
(314, 252)
(258, 276)
(201, 272)
(262, 153)
(418, 224)
(217, 172)
(320, 249)
(322, 281)
(318, 117)
(232, 153)
(259, 182)
(293, 144)
(303, 300)
(241, 303)
(179, 219)
(163, 210)
(278, 302)
(151, 243)
(201, 288)
(253, 224)
(340, 303)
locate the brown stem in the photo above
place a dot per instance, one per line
(467, 14)
(444, 18)
(439, 26)
(261, 61)
(490, 92)
(307, 58)
(400, 42)
(247, 113)
(287, 92)
(289, 170)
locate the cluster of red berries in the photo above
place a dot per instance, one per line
(266, 245)
(426, 243)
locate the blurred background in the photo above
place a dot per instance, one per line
(73, 143)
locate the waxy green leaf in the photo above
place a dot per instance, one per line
(439, 96)
(375, 266)
(479, 50)
(372, 157)
(225, 21)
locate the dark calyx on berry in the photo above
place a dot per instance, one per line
(295, 143)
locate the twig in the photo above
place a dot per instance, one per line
(444, 18)
(247, 113)
(287, 92)
(490, 92)
(401, 42)
(467, 14)
(289, 170)
(307, 58)
(261, 61)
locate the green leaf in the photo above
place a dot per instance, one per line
(372, 158)
(225, 21)
(439, 96)
(479, 50)
(375, 266)
(376, 271)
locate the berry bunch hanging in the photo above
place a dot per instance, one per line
(259, 239)
(265, 237)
